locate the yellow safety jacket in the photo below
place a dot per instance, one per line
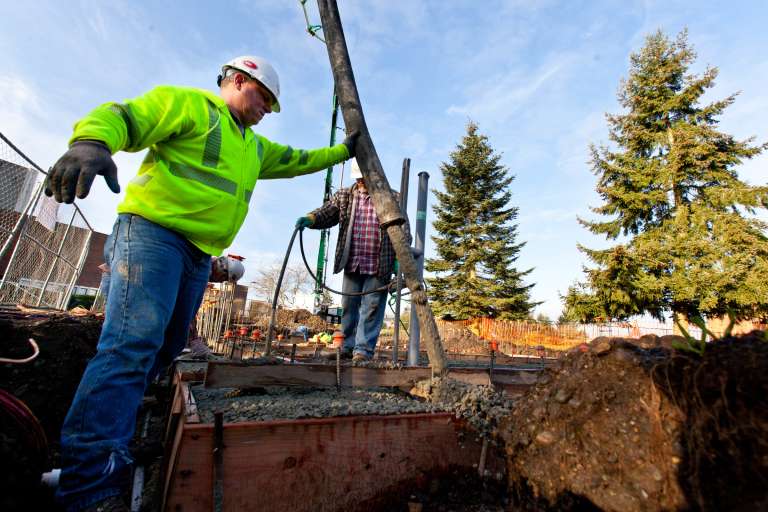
(200, 171)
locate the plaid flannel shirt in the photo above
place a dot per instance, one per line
(340, 210)
(366, 237)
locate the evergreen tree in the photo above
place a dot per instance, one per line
(476, 240)
(692, 244)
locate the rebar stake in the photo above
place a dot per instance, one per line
(293, 353)
(338, 368)
(218, 461)
(490, 367)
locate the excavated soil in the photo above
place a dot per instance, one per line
(626, 428)
(46, 385)
(625, 425)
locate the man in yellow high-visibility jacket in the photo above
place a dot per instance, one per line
(186, 203)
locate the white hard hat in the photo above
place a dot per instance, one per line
(355, 173)
(258, 69)
(236, 269)
(227, 268)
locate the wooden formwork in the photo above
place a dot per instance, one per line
(330, 464)
(238, 374)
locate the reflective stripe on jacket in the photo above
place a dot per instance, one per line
(200, 171)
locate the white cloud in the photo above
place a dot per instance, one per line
(497, 99)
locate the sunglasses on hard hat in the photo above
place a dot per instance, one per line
(269, 99)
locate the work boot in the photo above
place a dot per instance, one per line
(111, 504)
(360, 358)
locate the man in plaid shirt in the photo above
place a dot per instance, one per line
(367, 257)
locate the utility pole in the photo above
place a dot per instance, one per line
(387, 210)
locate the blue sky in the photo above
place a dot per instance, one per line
(537, 76)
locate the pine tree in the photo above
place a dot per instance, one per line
(476, 240)
(692, 245)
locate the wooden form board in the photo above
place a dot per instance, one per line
(242, 375)
(313, 465)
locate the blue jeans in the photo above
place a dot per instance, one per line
(156, 286)
(362, 317)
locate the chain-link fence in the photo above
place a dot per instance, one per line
(44, 244)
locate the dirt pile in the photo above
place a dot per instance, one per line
(621, 427)
(46, 385)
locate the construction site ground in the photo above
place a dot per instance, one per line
(619, 425)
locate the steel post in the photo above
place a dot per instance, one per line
(404, 183)
(418, 246)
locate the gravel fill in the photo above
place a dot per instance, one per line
(285, 403)
(481, 406)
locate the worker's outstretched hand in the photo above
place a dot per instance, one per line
(304, 222)
(351, 142)
(74, 172)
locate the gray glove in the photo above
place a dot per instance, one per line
(75, 171)
(351, 142)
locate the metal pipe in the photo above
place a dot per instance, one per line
(218, 461)
(418, 250)
(137, 492)
(404, 183)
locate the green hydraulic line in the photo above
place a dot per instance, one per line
(322, 256)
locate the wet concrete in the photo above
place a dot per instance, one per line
(276, 403)
(481, 406)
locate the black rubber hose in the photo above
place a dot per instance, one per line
(277, 294)
(279, 283)
(355, 294)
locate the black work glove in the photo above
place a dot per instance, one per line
(351, 142)
(74, 172)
